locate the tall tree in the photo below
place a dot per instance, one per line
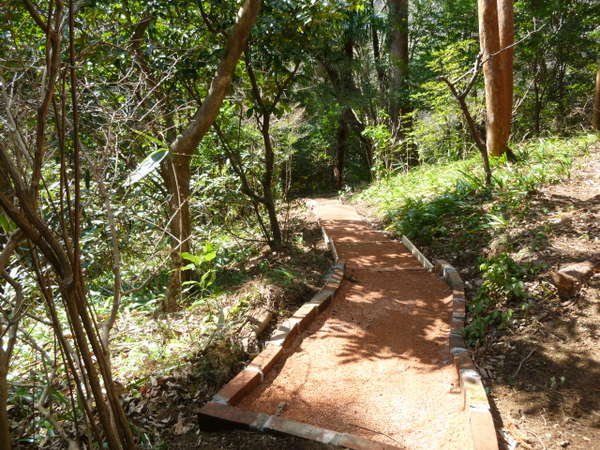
(506, 31)
(496, 29)
(177, 168)
(398, 18)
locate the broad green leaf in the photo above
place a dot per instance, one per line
(197, 260)
(149, 164)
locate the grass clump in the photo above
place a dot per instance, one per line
(430, 201)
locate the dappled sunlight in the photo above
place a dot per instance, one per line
(376, 363)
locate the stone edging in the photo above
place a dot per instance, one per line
(417, 253)
(282, 337)
(214, 415)
(222, 410)
(329, 242)
(476, 403)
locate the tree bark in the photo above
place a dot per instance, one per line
(4, 424)
(398, 13)
(596, 107)
(506, 31)
(184, 146)
(341, 144)
(176, 173)
(267, 184)
(494, 71)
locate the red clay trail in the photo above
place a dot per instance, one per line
(376, 362)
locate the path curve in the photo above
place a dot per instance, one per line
(376, 363)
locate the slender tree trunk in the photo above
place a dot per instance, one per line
(340, 153)
(477, 138)
(377, 51)
(494, 71)
(398, 11)
(596, 107)
(5, 443)
(267, 184)
(177, 167)
(176, 173)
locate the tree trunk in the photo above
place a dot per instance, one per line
(349, 116)
(596, 107)
(177, 167)
(506, 31)
(4, 425)
(494, 76)
(398, 12)
(176, 174)
(377, 51)
(340, 154)
(267, 183)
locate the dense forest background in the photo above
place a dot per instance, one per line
(153, 155)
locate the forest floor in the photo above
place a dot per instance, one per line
(166, 369)
(542, 369)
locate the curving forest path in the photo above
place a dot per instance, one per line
(376, 363)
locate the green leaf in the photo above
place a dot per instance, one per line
(7, 225)
(149, 164)
(197, 260)
(207, 257)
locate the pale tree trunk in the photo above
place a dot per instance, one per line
(398, 14)
(596, 108)
(496, 65)
(182, 149)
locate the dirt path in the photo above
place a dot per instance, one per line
(376, 362)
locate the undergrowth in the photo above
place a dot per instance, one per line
(447, 209)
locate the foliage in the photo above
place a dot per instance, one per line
(439, 130)
(142, 70)
(502, 284)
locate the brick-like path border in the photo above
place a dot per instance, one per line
(476, 403)
(221, 410)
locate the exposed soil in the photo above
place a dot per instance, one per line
(543, 371)
(376, 362)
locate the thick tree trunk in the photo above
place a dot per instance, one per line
(596, 107)
(341, 144)
(496, 97)
(398, 11)
(506, 31)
